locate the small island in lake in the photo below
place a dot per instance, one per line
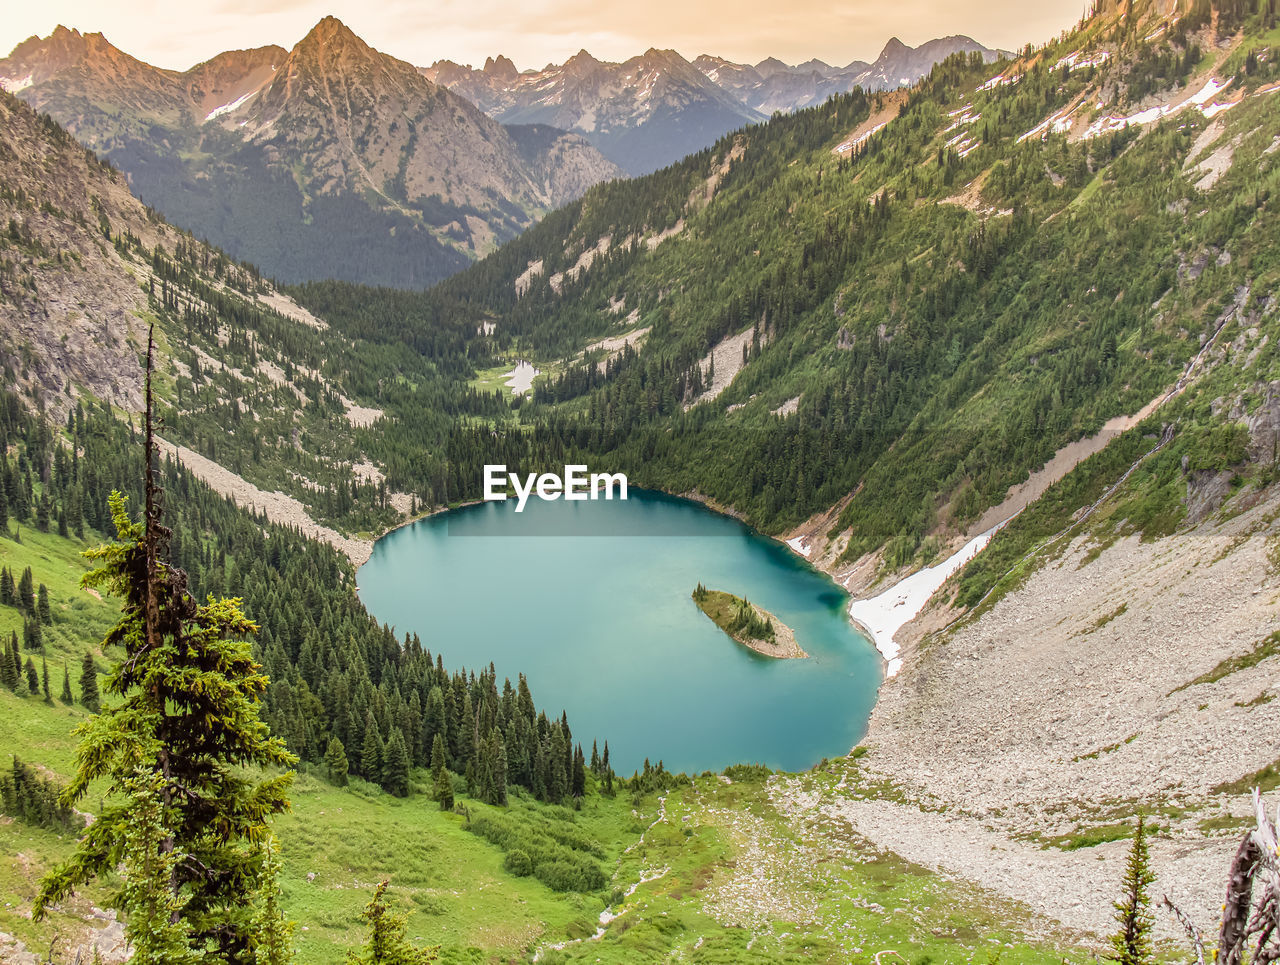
(748, 624)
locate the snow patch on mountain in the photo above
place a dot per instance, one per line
(884, 615)
(1200, 99)
(228, 108)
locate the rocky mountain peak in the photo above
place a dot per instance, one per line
(894, 47)
(770, 66)
(581, 61)
(501, 68)
(330, 39)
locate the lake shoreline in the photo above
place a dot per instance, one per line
(616, 582)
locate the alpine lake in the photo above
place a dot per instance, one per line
(591, 601)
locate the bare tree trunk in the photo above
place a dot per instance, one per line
(1235, 912)
(1257, 861)
(153, 534)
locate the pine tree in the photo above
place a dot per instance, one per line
(8, 667)
(24, 687)
(579, 782)
(8, 591)
(32, 637)
(44, 681)
(42, 606)
(152, 910)
(187, 716)
(67, 697)
(387, 944)
(371, 759)
(443, 785)
(26, 591)
(272, 932)
(335, 761)
(1132, 943)
(395, 765)
(438, 753)
(89, 683)
(33, 678)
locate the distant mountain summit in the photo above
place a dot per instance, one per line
(330, 160)
(641, 114)
(653, 109)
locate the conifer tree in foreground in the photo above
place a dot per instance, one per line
(1132, 943)
(184, 734)
(273, 932)
(152, 910)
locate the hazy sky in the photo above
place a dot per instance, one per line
(536, 32)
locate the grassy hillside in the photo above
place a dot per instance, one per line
(725, 874)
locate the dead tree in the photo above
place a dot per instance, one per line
(1256, 868)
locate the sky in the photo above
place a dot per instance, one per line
(534, 33)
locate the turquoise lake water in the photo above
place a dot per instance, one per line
(591, 601)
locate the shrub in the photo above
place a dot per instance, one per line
(517, 862)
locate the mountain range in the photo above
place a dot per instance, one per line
(273, 154)
(651, 110)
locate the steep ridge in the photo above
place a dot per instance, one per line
(276, 154)
(85, 269)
